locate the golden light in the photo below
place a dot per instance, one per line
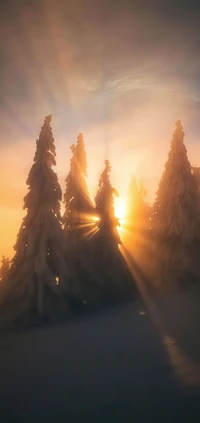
(120, 208)
(95, 218)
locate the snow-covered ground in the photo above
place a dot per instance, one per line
(115, 366)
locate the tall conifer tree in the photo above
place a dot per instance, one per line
(78, 205)
(175, 211)
(76, 198)
(38, 268)
(175, 219)
(78, 221)
(104, 201)
(115, 277)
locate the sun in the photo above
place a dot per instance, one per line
(120, 208)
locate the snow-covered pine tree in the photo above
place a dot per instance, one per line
(175, 211)
(4, 269)
(38, 269)
(78, 205)
(116, 281)
(79, 223)
(175, 219)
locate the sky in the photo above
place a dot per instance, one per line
(120, 72)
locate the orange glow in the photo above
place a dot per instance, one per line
(65, 74)
(95, 218)
(120, 208)
(10, 221)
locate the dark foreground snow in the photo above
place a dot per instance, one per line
(110, 367)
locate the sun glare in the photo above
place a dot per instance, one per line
(120, 208)
(95, 218)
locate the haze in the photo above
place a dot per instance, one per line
(120, 72)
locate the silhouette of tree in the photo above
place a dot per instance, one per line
(38, 268)
(79, 221)
(104, 201)
(4, 270)
(115, 279)
(78, 205)
(175, 217)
